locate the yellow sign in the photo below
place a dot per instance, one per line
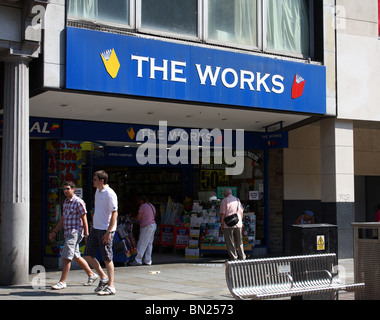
(320, 243)
(211, 179)
(111, 62)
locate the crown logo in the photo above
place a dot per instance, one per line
(111, 62)
(131, 133)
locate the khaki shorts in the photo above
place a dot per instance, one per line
(71, 246)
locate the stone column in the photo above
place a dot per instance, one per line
(338, 180)
(15, 206)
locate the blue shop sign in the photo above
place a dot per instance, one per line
(41, 127)
(121, 64)
(106, 131)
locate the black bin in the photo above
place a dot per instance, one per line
(314, 239)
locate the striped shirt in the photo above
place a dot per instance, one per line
(73, 210)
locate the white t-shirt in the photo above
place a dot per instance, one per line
(105, 204)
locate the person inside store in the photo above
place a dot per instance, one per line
(231, 212)
(306, 218)
(377, 213)
(75, 227)
(103, 232)
(146, 218)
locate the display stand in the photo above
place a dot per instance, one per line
(212, 238)
(124, 243)
(120, 253)
(181, 237)
(166, 235)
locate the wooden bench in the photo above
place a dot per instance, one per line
(270, 278)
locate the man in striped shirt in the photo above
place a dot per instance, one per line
(74, 223)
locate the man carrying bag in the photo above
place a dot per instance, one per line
(231, 223)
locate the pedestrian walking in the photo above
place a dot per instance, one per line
(74, 223)
(103, 232)
(231, 224)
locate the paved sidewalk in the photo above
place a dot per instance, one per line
(181, 280)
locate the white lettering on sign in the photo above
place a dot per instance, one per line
(229, 77)
(37, 127)
(175, 68)
(244, 77)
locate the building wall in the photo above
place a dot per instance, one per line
(367, 151)
(10, 22)
(302, 173)
(302, 177)
(275, 189)
(329, 55)
(54, 45)
(358, 63)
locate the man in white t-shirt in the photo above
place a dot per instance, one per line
(102, 234)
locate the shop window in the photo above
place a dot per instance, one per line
(66, 161)
(287, 25)
(111, 11)
(248, 187)
(170, 16)
(233, 21)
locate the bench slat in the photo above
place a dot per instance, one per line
(284, 276)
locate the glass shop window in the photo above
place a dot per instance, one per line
(287, 27)
(233, 22)
(170, 16)
(111, 11)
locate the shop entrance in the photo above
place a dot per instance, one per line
(187, 200)
(186, 196)
(367, 189)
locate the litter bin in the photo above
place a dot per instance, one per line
(367, 259)
(314, 239)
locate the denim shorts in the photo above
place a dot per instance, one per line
(94, 241)
(71, 247)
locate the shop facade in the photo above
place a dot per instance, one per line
(102, 64)
(69, 154)
(98, 84)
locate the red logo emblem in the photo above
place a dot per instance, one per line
(298, 86)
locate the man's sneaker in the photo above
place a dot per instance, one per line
(107, 291)
(59, 286)
(134, 263)
(102, 284)
(91, 280)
